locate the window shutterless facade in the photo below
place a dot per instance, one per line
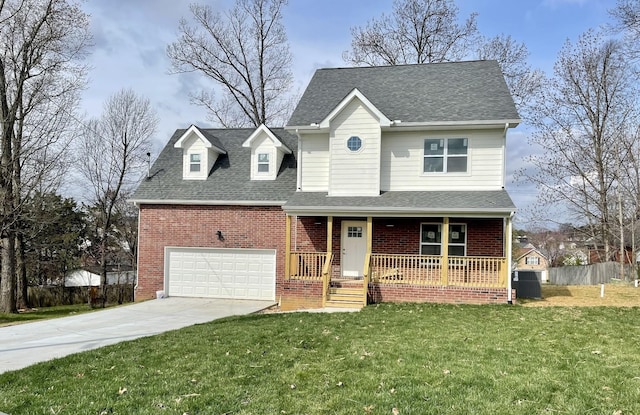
(445, 155)
(431, 239)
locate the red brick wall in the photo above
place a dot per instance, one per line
(402, 236)
(196, 226)
(485, 237)
(425, 294)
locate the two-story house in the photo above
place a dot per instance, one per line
(387, 184)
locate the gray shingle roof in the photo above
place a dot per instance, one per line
(229, 179)
(496, 201)
(435, 92)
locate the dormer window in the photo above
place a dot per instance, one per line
(267, 153)
(200, 150)
(263, 162)
(194, 162)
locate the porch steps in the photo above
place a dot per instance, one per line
(343, 295)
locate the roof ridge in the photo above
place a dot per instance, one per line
(406, 65)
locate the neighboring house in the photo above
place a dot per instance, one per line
(86, 278)
(528, 257)
(387, 184)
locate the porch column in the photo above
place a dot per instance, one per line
(329, 234)
(287, 246)
(507, 253)
(369, 234)
(445, 251)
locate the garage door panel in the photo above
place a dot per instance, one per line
(220, 273)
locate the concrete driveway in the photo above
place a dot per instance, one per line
(25, 344)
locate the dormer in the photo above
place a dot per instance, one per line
(267, 152)
(199, 153)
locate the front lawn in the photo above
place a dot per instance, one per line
(386, 359)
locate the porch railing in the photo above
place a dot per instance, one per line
(427, 270)
(307, 265)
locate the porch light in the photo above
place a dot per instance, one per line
(389, 225)
(220, 235)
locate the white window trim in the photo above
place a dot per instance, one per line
(199, 163)
(445, 158)
(466, 234)
(536, 260)
(268, 163)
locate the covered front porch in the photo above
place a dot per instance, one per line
(355, 260)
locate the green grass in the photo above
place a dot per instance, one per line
(43, 313)
(416, 358)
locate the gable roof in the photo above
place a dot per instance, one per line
(229, 181)
(264, 129)
(355, 94)
(208, 140)
(423, 93)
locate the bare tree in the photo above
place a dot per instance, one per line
(245, 52)
(627, 16)
(522, 80)
(427, 31)
(579, 121)
(42, 44)
(113, 156)
(417, 31)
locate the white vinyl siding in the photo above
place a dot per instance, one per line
(355, 173)
(402, 162)
(314, 162)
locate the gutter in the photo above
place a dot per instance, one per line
(139, 202)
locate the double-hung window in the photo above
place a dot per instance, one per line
(263, 162)
(431, 239)
(194, 162)
(445, 155)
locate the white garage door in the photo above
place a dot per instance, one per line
(221, 273)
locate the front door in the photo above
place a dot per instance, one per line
(354, 248)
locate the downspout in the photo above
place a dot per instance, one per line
(299, 163)
(509, 245)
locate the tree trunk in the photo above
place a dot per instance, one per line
(103, 269)
(7, 275)
(22, 300)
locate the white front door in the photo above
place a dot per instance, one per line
(354, 248)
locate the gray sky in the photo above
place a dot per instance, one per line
(131, 37)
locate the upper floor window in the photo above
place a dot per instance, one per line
(445, 155)
(263, 162)
(195, 160)
(532, 260)
(431, 239)
(354, 143)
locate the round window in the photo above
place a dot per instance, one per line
(354, 143)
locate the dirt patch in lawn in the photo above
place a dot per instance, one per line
(617, 295)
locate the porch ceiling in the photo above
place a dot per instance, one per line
(495, 203)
